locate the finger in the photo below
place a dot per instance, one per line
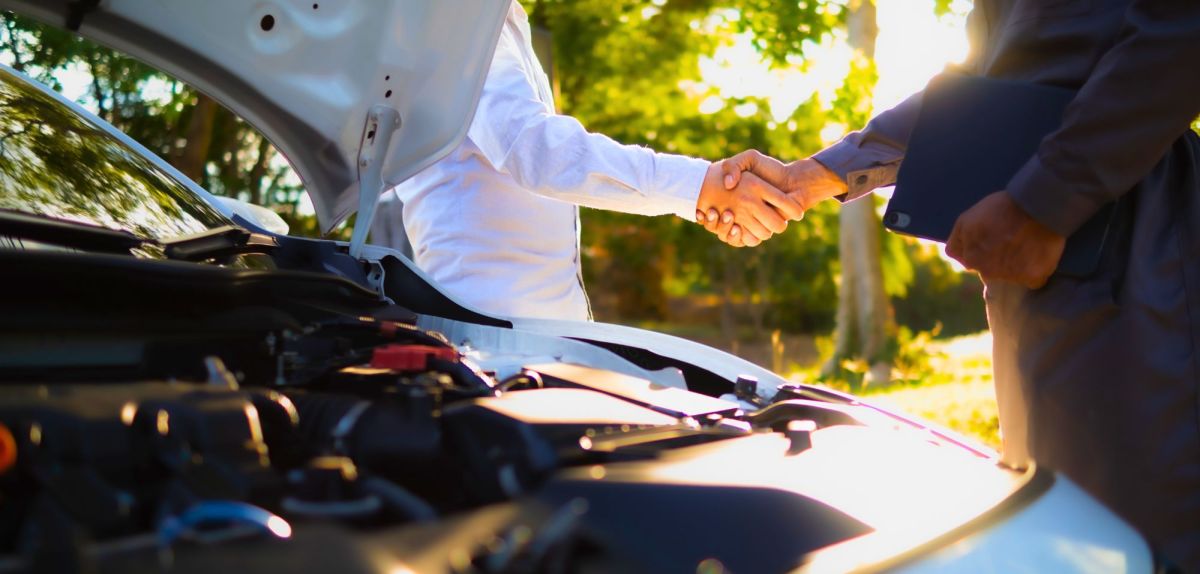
(723, 229)
(787, 205)
(1033, 278)
(735, 241)
(954, 243)
(1041, 278)
(734, 166)
(801, 199)
(711, 223)
(768, 217)
(734, 233)
(975, 258)
(752, 228)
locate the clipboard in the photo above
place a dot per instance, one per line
(972, 136)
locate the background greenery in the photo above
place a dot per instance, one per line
(637, 79)
(629, 69)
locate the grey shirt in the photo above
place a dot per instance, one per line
(1136, 64)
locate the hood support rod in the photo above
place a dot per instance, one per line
(382, 123)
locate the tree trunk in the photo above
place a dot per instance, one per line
(191, 159)
(864, 317)
(759, 297)
(254, 183)
(729, 270)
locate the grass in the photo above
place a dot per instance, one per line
(967, 407)
(956, 393)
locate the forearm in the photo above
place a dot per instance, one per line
(870, 158)
(556, 157)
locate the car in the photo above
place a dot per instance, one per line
(187, 388)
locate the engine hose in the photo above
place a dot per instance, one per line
(361, 508)
(399, 499)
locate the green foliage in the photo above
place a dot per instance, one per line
(626, 68)
(911, 354)
(939, 296)
(957, 393)
(222, 153)
(630, 69)
(782, 30)
(852, 102)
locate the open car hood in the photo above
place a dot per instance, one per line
(359, 96)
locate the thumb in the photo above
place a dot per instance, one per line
(734, 166)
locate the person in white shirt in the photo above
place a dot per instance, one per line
(496, 222)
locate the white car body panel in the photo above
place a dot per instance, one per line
(1062, 531)
(507, 351)
(310, 81)
(719, 362)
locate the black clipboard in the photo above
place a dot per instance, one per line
(972, 136)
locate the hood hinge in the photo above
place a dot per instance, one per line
(382, 123)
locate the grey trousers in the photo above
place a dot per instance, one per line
(1098, 378)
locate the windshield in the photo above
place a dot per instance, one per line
(57, 163)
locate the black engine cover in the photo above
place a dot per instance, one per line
(115, 457)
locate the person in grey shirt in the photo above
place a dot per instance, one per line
(1096, 377)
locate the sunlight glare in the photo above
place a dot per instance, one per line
(832, 132)
(913, 45)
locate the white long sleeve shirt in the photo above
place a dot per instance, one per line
(496, 222)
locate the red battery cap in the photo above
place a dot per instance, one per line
(409, 357)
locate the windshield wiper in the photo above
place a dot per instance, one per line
(218, 244)
(64, 233)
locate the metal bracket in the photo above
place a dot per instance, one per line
(376, 276)
(382, 123)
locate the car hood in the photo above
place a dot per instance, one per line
(359, 96)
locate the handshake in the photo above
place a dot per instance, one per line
(750, 197)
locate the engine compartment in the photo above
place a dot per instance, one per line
(290, 420)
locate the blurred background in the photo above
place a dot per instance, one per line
(835, 300)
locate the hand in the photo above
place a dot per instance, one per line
(1002, 242)
(758, 208)
(806, 181)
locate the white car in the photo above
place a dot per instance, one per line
(188, 389)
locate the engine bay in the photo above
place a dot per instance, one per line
(287, 420)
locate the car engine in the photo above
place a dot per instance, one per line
(289, 421)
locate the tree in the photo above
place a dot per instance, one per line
(626, 68)
(864, 319)
(206, 142)
(630, 69)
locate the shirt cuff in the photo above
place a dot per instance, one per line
(1048, 200)
(863, 168)
(677, 182)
